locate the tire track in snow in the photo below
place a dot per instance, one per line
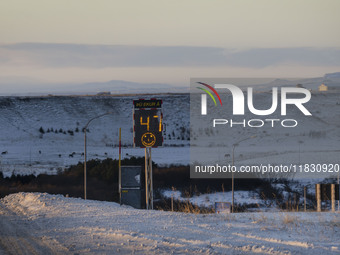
(17, 237)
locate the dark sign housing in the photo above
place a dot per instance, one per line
(148, 123)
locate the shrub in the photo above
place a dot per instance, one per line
(41, 130)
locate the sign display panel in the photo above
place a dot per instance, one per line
(144, 104)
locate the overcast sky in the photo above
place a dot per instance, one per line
(166, 41)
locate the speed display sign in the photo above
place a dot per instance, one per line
(147, 123)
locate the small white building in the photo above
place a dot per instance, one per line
(323, 87)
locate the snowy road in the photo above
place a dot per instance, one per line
(17, 236)
(35, 223)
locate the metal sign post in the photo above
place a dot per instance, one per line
(120, 167)
(148, 133)
(148, 179)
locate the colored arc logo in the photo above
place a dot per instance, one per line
(209, 93)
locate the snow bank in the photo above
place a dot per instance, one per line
(74, 225)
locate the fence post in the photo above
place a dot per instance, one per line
(333, 197)
(318, 197)
(305, 199)
(172, 199)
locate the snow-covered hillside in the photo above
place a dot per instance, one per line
(25, 150)
(38, 223)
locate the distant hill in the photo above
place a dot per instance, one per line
(124, 87)
(20, 86)
(332, 76)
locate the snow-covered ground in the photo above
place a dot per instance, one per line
(35, 223)
(251, 199)
(208, 200)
